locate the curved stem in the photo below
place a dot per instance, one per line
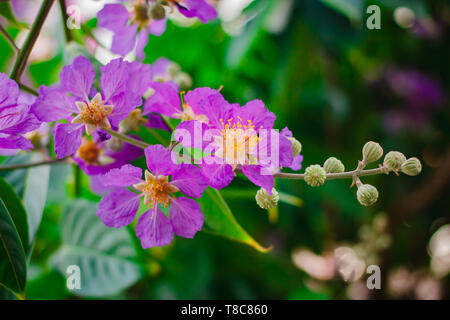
(9, 39)
(27, 89)
(24, 53)
(124, 137)
(334, 176)
(65, 18)
(29, 165)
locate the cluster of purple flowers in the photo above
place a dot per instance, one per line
(132, 21)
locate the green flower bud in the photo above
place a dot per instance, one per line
(183, 80)
(296, 146)
(266, 201)
(367, 194)
(333, 165)
(411, 167)
(372, 151)
(394, 160)
(132, 121)
(157, 12)
(315, 175)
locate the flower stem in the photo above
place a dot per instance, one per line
(124, 137)
(9, 39)
(27, 89)
(65, 17)
(334, 176)
(25, 52)
(35, 164)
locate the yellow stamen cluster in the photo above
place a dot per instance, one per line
(156, 189)
(140, 13)
(89, 151)
(93, 114)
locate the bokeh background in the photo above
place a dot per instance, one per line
(336, 84)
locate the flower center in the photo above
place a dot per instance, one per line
(156, 189)
(140, 13)
(89, 151)
(93, 114)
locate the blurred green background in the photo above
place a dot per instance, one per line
(336, 84)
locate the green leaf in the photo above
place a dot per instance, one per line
(106, 256)
(13, 264)
(35, 193)
(16, 210)
(220, 220)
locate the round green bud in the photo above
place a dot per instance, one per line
(183, 80)
(367, 194)
(372, 151)
(315, 175)
(266, 201)
(394, 160)
(411, 167)
(157, 12)
(333, 165)
(296, 146)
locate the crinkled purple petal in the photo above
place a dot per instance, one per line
(124, 40)
(253, 173)
(9, 91)
(140, 77)
(192, 133)
(159, 160)
(18, 120)
(297, 163)
(10, 143)
(123, 103)
(114, 78)
(259, 115)
(67, 138)
(219, 175)
(78, 77)
(52, 105)
(155, 122)
(141, 43)
(165, 100)
(186, 217)
(157, 27)
(190, 180)
(118, 208)
(113, 17)
(124, 176)
(154, 229)
(198, 8)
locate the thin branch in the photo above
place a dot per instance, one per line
(35, 164)
(334, 176)
(65, 18)
(27, 89)
(124, 137)
(25, 52)
(9, 39)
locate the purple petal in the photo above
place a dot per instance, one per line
(18, 119)
(67, 138)
(9, 91)
(259, 115)
(52, 105)
(155, 122)
(141, 43)
(10, 143)
(157, 27)
(114, 78)
(219, 175)
(124, 40)
(253, 173)
(297, 163)
(186, 217)
(198, 8)
(154, 229)
(140, 77)
(159, 160)
(165, 100)
(123, 103)
(124, 176)
(190, 180)
(118, 208)
(191, 134)
(160, 68)
(113, 17)
(78, 77)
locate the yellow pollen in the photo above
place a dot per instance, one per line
(156, 189)
(93, 114)
(89, 152)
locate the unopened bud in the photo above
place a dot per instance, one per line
(173, 68)
(315, 175)
(411, 167)
(157, 12)
(266, 201)
(114, 144)
(296, 146)
(394, 160)
(367, 194)
(183, 80)
(333, 165)
(372, 151)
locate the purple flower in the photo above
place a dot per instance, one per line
(132, 27)
(15, 118)
(298, 159)
(163, 179)
(122, 84)
(242, 138)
